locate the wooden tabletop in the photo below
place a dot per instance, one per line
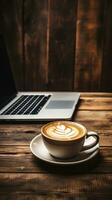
(23, 176)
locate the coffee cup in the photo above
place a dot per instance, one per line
(65, 139)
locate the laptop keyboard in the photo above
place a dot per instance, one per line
(27, 105)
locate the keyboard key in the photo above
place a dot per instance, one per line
(27, 104)
(40, 105)
(14, 105)
(29, 110)
(26, 101)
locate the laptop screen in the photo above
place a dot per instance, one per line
(7, 85)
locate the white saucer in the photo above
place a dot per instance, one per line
(39, 150)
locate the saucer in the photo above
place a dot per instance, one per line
(40, 151)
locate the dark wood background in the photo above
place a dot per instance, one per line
(59, 44)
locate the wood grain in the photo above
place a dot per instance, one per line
(59, 186)
(96, 94)
(61, 44)
(24, 176)
(92, 103)
(16, 159)
(89, 40)
(11, 136)
(12, 30)
(35, 44)
(106, 81)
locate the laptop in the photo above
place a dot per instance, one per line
(31, 106)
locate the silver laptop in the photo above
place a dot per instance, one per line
(31, 106)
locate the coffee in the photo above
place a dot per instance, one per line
(64, 131)
(65, 139)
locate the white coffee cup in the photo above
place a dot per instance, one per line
(65, 139)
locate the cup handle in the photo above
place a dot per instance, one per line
(89, 144)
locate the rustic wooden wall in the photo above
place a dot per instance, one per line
(59, 45)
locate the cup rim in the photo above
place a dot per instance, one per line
(62, 140)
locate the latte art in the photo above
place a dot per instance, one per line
(63, 131)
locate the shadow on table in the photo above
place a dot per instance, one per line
(86, 167)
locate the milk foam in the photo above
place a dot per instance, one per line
(63, 131)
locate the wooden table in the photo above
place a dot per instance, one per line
(22, 176)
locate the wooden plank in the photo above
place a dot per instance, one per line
(56, 195)
(100, 117)
(20, 159)
(36, 44)
(12, 29)
(17, 136)
(93, 103)
(94, 120)
(54, 186)
(89, 42)
(24, 138)
(61, 46)
(14, 149)
(96, 94)
(28, 128)
(106, 78)
(22, 134)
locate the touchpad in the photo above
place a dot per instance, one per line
(60, 104)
